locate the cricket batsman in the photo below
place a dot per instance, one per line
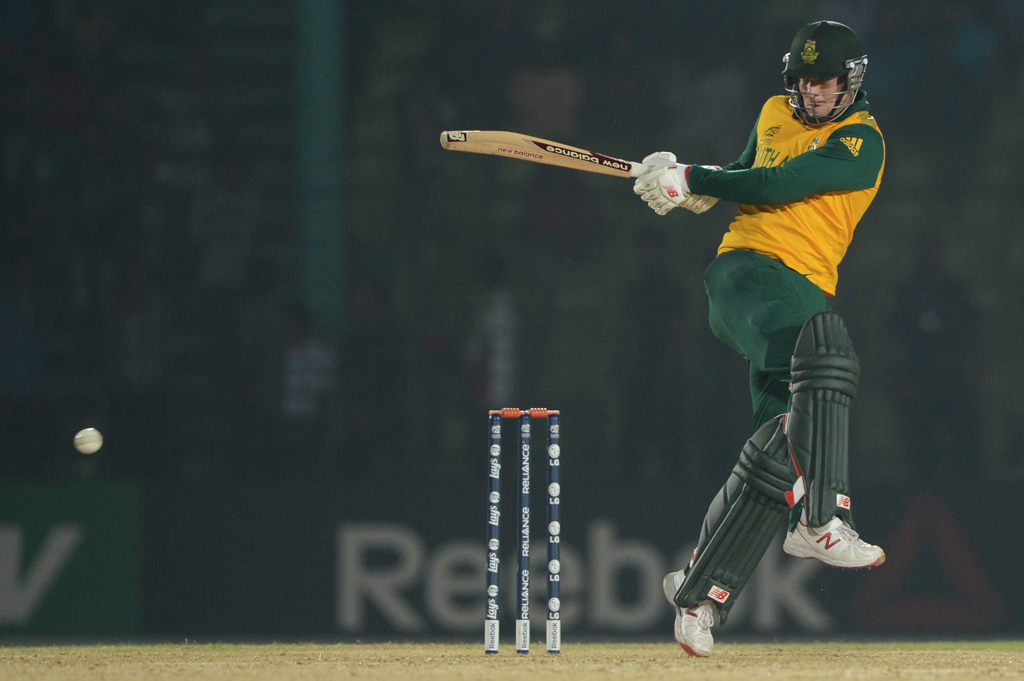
(810, 170)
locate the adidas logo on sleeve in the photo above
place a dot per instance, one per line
(853, 144)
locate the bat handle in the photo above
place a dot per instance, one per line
(638, 169)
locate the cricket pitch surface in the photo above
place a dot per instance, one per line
(623, 662)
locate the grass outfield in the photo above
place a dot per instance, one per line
(622, 662)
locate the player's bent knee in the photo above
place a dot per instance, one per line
(823, 358)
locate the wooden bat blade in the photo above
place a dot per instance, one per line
(537, 150)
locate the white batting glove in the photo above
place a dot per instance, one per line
(698, 203)
(664, 188)
(659, 160)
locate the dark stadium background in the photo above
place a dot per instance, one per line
(232, 243)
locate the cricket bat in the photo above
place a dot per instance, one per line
(528, 148)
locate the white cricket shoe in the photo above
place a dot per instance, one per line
(693, 625)
(835, 544)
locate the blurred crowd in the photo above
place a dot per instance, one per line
(151, 269)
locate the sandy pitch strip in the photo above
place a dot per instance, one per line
(623, 662)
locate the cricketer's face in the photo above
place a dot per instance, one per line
(820, 95)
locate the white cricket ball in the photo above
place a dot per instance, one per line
(88, 440)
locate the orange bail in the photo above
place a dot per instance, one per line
(534, 412)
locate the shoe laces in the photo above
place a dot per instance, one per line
(848, 533)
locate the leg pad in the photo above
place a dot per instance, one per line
(825, 374)
(740, 522)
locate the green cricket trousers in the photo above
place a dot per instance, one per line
(758, 306)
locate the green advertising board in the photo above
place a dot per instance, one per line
(69, 559)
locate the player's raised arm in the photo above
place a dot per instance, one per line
(849, 160)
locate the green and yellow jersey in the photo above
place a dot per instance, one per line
(802, 189)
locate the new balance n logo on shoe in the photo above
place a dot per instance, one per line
(854, 552)
(827, 538)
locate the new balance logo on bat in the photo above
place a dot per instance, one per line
(585, 156)
(523, 147)
(853, 144)
(519, 152)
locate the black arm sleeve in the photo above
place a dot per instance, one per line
(832, 167)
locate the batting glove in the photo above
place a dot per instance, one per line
(659, 160)
(666, 187)
(698, 203)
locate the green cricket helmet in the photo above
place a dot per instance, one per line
(824, 49)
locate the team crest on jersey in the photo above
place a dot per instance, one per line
(814, 144)
(810, 52)
(769, 135)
